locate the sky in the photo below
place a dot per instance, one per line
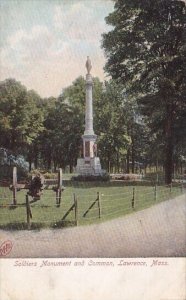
(44, 44)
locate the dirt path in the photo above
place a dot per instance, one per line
(157, 231)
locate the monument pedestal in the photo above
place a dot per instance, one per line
(90, 166)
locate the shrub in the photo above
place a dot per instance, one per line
(46, 175)
(130, 177)
(6, 172)
(105, 177)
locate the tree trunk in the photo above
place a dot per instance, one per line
(49, 163)
(132, 152)
(133, 158)
(168, 161)
(36, 161)
(181, 168)
(30, 165)
(127, 163)
(168, 147)
(118, 162)
(71, 167)
(108, 163)
(55, 165)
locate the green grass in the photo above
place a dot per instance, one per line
(115, 199)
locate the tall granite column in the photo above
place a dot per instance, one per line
(89, 110)
(89, 137)
(90, 163)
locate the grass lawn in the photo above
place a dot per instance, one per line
(115, 201)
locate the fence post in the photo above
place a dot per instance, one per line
(99, 204)
(57, 196)
(28, 212)
(14, 185)
(157, 178)
(133, 197)
(76, 209)
(14, 195)
(155, 192)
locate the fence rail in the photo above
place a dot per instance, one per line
(81, 208)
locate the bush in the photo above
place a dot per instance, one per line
(50, 175)
(130, 177)
(45, 174)
(6, 172)
(105, 177)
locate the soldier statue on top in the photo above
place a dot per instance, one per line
(88, 65)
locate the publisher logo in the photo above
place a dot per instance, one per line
(5, 248)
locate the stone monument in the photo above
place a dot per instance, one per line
(90, 163)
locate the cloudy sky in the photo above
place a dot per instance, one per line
(44, 43)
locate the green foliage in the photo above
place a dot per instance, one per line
(50, 130)
(61, 138)
(110, 124)
(145, 52)
(7, 171)
(74, 95)
(20, 118)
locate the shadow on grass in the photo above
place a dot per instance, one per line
(20, 226)
(116, 183)
(60, 224)
(14, 206)
(36, 226)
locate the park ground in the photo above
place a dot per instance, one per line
(156, 231)
(116, 199)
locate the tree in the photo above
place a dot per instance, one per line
(36, 150)
(20, 118)
(74, 95)
(64, 120)
(145, 51)
(111, 125)
(61, 138)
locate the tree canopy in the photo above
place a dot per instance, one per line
(21, 121)
(145, 52)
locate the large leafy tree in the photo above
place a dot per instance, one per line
(21, 120)
(61, 138)
(74, 95)
(145, 51)
(64, 120)
(111, 125)
(37, 154)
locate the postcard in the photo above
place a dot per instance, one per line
(92, 150)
